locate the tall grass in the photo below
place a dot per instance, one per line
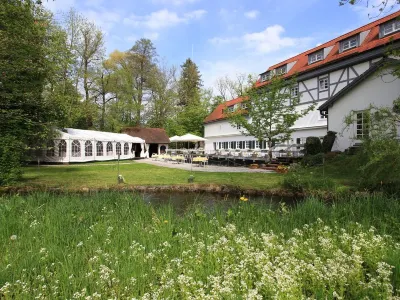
(116, 245)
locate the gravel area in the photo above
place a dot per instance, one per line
(207, 168)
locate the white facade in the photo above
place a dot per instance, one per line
(379, 89)
(78, 145)
(311, 92)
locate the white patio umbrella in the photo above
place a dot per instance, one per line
(191, 138)
(176, 139)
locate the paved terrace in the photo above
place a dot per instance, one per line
(207, 168)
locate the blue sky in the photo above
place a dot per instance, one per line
(227, 36)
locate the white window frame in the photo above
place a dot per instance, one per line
(316, 56)
(231, 108)
(238, 126)
(360, 121)
(247, 145)
(118, 150)
(281, 70)
(88, 148)
(99, 149)
(75, 148)
(349, 43)
(62, 148)
(51, 145)
(265, 76)
(109, 149)
(323, 116)
(393, 26)
(323, 83)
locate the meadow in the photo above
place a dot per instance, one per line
(110, 245)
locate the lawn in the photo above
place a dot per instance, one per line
(98, 175)
(113, 245)
(104, 175)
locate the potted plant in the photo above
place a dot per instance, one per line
(282, 169)
(253, 166)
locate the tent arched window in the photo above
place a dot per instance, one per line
(109, 149)
(118, 148)
(99, 148)
(76, 148)
(126, 149)
(50, 149)
(88, 148)
(62, 148)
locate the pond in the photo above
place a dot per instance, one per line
(181, 202)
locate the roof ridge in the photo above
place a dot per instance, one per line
(322, 46)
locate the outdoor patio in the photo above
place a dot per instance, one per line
(201, 167)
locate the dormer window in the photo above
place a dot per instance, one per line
(281, 70)
(390, 27)
(231, 108)
(349, 43)
(244, 105)
(316, 56)
(265, 76)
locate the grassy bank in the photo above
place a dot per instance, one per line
(103, 176)
(114, 245)
(97, 175)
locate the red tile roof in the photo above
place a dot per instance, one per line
(218, 113)
(371, 41)
(301, 65)
(150, 135)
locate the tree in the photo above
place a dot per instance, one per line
(163, 98)
(103, 81)
(142, 59)
(378, 159)
(269, 113)
(190, 83)
(90, 51)
(382, 6)
(26, 116)
(230, 89)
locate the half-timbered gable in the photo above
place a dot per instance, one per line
(321, 73)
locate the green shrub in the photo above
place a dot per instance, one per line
(313, 145)
(328, 141)
(378, 162)
(300, 182)
(313, 160)
(11, 152)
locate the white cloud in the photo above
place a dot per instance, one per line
(148, 35)
(269, 40)
(163, 18)
(175, 2)
(252, 14)
(103, 18)
(248, 53)
(151, 35)
(223, 41)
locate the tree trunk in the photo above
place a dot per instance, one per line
(103, 111)
(270, 150)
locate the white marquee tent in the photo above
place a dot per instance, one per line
(77, 145)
